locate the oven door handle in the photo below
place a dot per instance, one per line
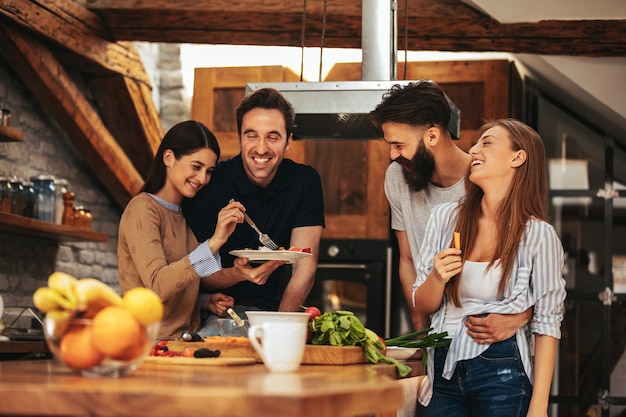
(341, 266)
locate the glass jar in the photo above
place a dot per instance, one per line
(29, 199)
(60, 186)
(5, 194)
(79, 217)
(87, 219)
(45, 197)
(17, 196)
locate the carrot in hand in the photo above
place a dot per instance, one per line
(457, 240)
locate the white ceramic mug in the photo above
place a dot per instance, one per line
(280, 344)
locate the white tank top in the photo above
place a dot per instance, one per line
(476, 286)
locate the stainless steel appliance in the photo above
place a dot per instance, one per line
(355, 275)
(340, 110)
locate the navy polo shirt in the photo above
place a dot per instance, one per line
(293, 199)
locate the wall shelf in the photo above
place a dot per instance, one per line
(10, 134)
(10, 223)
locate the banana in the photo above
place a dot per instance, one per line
(64, 284)
(57, 322)
(93, 295)
(46, 299)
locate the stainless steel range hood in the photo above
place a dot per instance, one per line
(340, 110)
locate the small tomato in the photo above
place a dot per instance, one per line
(313, 311)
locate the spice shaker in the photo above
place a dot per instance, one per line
(68, 209)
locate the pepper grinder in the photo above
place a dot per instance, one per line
(68, 209)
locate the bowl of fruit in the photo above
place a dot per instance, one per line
(92, 330)
(83, 345)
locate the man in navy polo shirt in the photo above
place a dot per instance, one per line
(283, 198)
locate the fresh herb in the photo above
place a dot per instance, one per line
(421, 339)
(343, 328)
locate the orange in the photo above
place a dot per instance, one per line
(144, 304)
(137, 350)
(76, 349)
(115, 332)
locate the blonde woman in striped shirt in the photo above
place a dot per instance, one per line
(510, 259)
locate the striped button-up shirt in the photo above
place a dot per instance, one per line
(536, 280)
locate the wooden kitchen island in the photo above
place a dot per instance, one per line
(44, 387)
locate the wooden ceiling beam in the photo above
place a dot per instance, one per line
(550, 37)
(80, 35)
(120, 85)
(59, 96)
(127, 108)
(445, 25)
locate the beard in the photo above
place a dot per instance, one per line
(419, 170)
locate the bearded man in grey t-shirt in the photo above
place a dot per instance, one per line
(427, 169)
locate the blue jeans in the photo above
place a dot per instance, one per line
(491, 385)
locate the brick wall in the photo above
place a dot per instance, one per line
(162, 63)
(173, 107)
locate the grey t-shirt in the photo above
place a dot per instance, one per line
(410, 210)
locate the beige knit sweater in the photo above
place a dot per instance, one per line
(152, 252)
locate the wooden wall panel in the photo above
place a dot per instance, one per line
(216, 94)
(362, 214)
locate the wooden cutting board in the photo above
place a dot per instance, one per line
(227, 350)
(182, 360)
(313, 354)
(333, 355)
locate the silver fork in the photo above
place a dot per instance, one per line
(263, 237)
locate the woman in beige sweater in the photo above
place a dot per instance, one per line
(156, 248)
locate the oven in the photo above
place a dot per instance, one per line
(355, 275)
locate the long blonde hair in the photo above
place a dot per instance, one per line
(527, 198)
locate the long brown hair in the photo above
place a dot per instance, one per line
(183, 138)
(527, 198)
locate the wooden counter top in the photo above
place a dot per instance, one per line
(45, 387)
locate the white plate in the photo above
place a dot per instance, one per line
(270, 255)
(403, 353)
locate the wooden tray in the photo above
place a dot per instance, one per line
(181, 360)
(313, 354)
